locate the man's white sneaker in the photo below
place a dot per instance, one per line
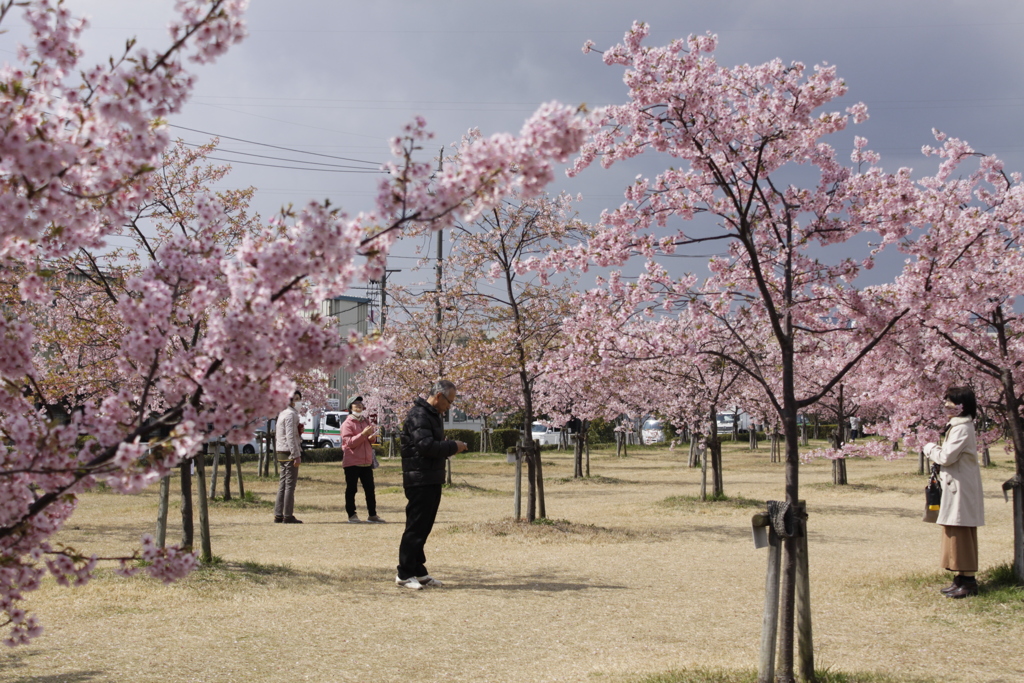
(429, 581)
(412, 582)
(354, 520)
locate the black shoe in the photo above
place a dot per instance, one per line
(966, 589)
(278, 519)
(958, 581)
(292, 520)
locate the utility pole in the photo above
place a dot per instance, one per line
(384, 297)
(440, 256)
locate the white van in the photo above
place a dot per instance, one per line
(547, 436)
(653, 431)
(725, 422)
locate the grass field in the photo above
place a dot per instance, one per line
(632, 579)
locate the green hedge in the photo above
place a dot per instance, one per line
(323, 455)
(503, 439)
(601, 431)
(471, 438)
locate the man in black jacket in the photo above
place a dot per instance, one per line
(424, 455)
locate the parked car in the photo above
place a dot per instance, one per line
(653, 431)
(547, 436)
(258, 434)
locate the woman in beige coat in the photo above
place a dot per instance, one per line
(962, 509)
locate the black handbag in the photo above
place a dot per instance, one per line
(932, 497)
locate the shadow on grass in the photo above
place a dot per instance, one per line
(11, 661)
(1000, 596)
(280, 575)
(548, 531)
(595, 479)
(247, 502)
(710, 675)
(723, 501)
(522, 582)
(462, 487)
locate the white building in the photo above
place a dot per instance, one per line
(351, 313)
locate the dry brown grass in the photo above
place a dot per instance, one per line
(631, 578)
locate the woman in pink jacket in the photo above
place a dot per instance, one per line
(358, 434)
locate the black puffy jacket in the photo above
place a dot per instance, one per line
(424, 449)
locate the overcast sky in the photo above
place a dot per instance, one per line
(340, 78)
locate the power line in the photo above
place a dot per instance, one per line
(264, 156)
(264, 144)
(294, 168)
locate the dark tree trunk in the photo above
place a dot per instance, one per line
(187, 526)
(529, 451)
(716, 470)
(839, 471)
(227, 471)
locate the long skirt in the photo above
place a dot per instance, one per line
(960, 548)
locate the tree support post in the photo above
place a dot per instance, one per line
(161, 511)
(805, 641)
(586, 454)
(204, 509)
(216, 463)
(187, 528)
(542, 511)
(771, 638)
(1016, 486)
(238, 467)
(770, 621)
(704, 474)
(518, 496)
(227, 470)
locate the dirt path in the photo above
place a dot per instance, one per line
(631, 585)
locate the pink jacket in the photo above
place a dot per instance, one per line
(358, 450)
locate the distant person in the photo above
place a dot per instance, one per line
(289, 456)
(962, 509)
(358, 434)
(854, 427)
(424, 455)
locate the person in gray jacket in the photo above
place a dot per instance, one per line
(962, 509)
(424, 455)
(289, 455)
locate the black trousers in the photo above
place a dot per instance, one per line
(420, 512)
(354, 475)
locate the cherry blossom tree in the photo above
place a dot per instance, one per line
(75, 154)
(962, 282)
(737, 137)
(668, 367)
(517, 314)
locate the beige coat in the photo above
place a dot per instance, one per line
(963, 501)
